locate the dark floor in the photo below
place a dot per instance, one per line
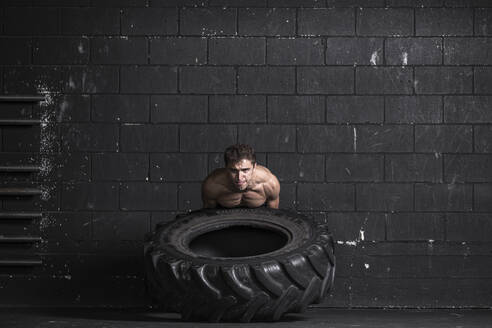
(336, 318)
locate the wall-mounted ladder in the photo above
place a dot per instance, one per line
(9, 257)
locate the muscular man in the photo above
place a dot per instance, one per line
(241, 183)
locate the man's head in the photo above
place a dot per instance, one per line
(240, 162)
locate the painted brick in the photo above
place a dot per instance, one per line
(19, 53)
(207, 79)
(354, 167)
(467, 3)
(443, 21)
(178, 3)
(482, 201)
(414, 3)
(413, 51)
(19, 50)
(135, 196)
(415, 226)
(354, 109)
(74, 167)
(483, 21)
(122, 50)
(239, 109)
(267, 22)
(149, 21)
(443, 197)
(68, 227)
(354, 51)
(116, 3)
(61, 51)
(189, 196)
(384, 197)
(383, 80)
(24, 139)
(92, 79)
(92, 196)
(288, 196)
(178, 167)
(120, 166)
(269, 138)
(295, 51)
(413, 109)
(41, 21)
(148, 79)
(90, 21)
(443, 80)
(467, 109)
(240, 3)
(120, 108)
(207, 21)
(266, 80)
(330, 197)
(483, 135)
(483, 80)
(413, 168)
(326, 21)
(175, 51)
(468, 227)
(89, 137)
(116, 226)
(443, 139)
(179, 108)
(296, 167)
(207, 138)
(355, 3)
(237, 51)
(149, 138)
(27, 80)
(468, 168)
(383, 138)
(325, 80)
(467, 51)
(295, 3)
(384, 22)
(350, 226)
(321, 139)
(73, 108)
(296, 109)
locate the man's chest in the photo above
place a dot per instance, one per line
(250, 198)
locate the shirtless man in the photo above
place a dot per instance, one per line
(241, 183)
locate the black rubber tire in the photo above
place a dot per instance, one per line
(259, 287)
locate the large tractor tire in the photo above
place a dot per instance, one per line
(239, 264)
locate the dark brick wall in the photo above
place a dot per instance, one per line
(376, 115)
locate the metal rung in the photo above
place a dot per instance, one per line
(22, 98)
(19, 216)
(20, 122)
(23, 263)
(20, 191)
(19, 239)
(20, 168)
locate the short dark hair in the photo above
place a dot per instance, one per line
(237, 152)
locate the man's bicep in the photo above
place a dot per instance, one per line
(273, 197)
(273, 203)
(209, 203)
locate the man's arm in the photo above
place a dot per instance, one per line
(272, 191)
(208, 198)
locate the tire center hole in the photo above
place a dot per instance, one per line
(238, 241)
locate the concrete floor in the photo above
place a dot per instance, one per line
(315, 317)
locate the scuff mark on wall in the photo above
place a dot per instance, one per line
(355, 139)
(404, 58)
(374, 58)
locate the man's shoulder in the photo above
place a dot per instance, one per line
(214, 179)
(268, 180)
